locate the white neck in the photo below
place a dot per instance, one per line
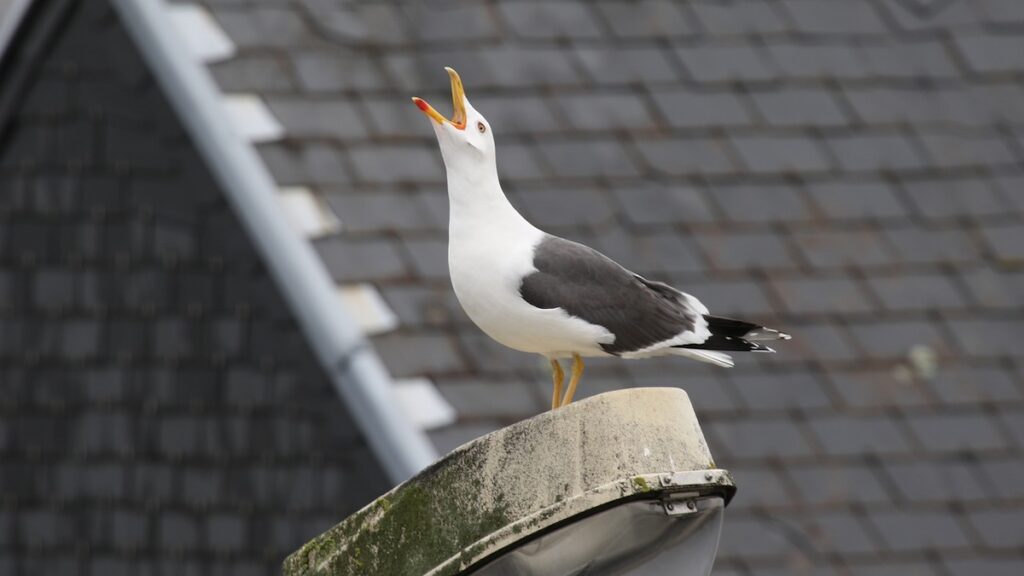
(475, 196)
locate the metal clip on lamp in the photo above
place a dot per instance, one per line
(621, 483)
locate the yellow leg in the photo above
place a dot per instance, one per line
(574, 380)
(557, 377)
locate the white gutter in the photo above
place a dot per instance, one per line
(348, 358)
(10, 18)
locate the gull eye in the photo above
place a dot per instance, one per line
(480, 127)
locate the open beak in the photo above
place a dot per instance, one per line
(458, 104)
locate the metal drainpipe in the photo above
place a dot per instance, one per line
(350, 361)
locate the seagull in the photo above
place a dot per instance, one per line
(538, 293)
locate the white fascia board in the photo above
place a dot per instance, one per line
(349, 359)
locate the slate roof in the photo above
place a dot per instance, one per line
(161, 412)
(849, 170)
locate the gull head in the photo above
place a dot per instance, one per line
(466, 142)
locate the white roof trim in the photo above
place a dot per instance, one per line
(307, 212)
(368, 308)
(358, 374)
(202, 35)
(423, 403)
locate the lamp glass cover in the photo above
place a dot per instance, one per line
(643, 537)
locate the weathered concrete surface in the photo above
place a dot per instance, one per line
(497, 489)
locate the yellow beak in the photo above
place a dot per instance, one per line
(458, 104)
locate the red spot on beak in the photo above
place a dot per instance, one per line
(422, 104)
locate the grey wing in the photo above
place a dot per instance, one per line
(594, 288)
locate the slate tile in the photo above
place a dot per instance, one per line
(253, 73)
(732, 298)
(759, 438)
(605, 112)
(780, 391)
(264, 27)
(995, 289)
(949, 198)
(224, 533)
(753, 540)
(726, 62)
(906, 530)
(817, 60)
(763, 486)
(962, 432)
(848, 435)
(916, 291)
(563, 206)
(592, 158)
(799, 107)
(656, 254)
(990, 53)
(961, 150)
(429, 257)
(822, 295)
(745, 250)
(708, 393)
(764, 154)
(648, 204)
(1014, 424)
(307, 118)
(519, 162)
(975, 384)
(488, 399)
(898, 338)
(760, 204)
(53, 289)
(467, 22)
(1006, 475)
(917, 16)
(451, 437)
(391, 119)
(518, 114)
(129, 529)
(925, 481)
(382, 210)
(916, 567)
(370, 259)
(418, 354)
(312, 163)
(829, 484)
(910, 58)
(686, 156)
(879, 389)
(913, 105)
(856, 200)
(838, 533)
(930, 245)
(177, 532)
(607, 65)
(686, 108)
(550, 20)
(834, 17)
(875, 152)
(1006, 241)
(393, 164)
(645, 19)
(822, 341)
(334, 71)
(990, 566)
(829, 249)
(739, 18)
(525, 66)
(987, 338)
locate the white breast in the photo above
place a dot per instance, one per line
(488, 261)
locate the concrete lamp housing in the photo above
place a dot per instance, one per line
(621, 483)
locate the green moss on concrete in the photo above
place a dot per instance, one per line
(640, 484)
(429, 519)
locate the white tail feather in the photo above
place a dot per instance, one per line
(716, 358)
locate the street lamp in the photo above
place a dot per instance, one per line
(621, 483)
